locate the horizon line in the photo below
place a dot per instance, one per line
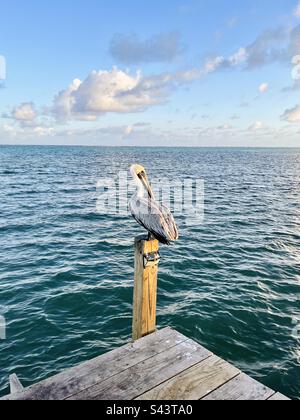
(147, 147)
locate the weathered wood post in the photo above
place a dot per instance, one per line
(145, 286)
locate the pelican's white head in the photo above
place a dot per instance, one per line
(139, 174)
(136, 170)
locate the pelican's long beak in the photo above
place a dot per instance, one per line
(144, 179)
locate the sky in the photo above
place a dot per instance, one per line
(217, 73)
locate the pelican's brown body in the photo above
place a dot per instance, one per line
(157, 219)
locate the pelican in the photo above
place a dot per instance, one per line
(155, 218)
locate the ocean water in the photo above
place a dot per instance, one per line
(66, 272)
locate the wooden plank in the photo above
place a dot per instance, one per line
(279, 397)
(97, 370)
(15, 384)
(146, 375)
(241, 388)
(194, 383)
(145, 289)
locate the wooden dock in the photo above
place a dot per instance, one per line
(161, 366)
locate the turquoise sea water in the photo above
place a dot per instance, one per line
(66, 272)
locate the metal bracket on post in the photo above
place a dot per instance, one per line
(152, 259)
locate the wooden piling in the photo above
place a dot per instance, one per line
(145, 287)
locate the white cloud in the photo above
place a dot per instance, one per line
(220, 62)
(212, 64)
(41, 131)
(25, 112)
(27, 123)
(112, 91)
(240, 57)
(264, 87)
(103, 92)
(292, 115)
(64, 101)
(257, 126)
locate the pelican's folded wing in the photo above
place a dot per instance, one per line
(171, 223)
(156, 219)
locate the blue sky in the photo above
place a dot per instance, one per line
(178, 72)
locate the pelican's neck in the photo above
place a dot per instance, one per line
(138, 183)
